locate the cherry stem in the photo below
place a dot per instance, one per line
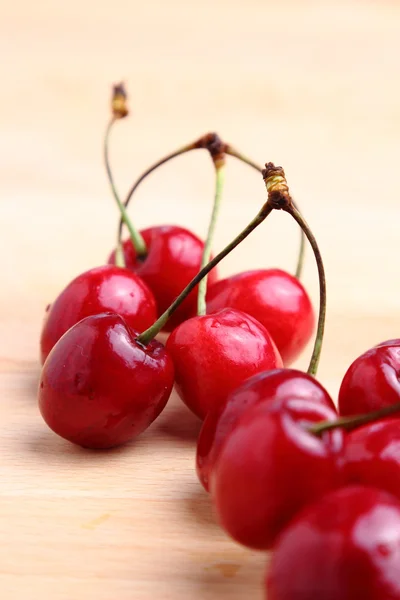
(300, 258)
(349, 423)
(278, 195)
(137, 240)
(150, 333)
(219, 164)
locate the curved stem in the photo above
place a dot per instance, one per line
(219, 182)
(150, 333)
(137, 240)
(300, 257)
(349, 423)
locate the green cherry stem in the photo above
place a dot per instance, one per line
(349, 423)
(150, 333)
(248, 161)
(219, 164)
(278, 195)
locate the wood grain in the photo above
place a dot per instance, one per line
(312, 86)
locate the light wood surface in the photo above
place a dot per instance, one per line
(309, 85)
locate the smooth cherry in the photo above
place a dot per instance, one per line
(213, 354)
(344, 547)
(372, 380)
(99, 387)
(103, 289)
(273, 297)
(173, 259)
(372, 456)
(270, 467)
(271, 386)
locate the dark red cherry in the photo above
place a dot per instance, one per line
(270, 467)
(273, 297)
(344, 547)
(173, 259)
(372, 456)
(271, 386)
(99, 387)
(213, 354)
(99, 290)
(372, 381)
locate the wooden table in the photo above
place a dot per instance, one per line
(312, 86)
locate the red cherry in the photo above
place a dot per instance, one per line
(372, 381)
(213, 354)
(271, 386)
(99, 387)
(104, 289)
(273, 297)
(344, 547)
(372, 456)
(270, 467)
(173, 259)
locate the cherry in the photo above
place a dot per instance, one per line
(344, 547)
(372, 456)
(267, 387)
(270, 466)
(173, 258)
(372, 380)
(213, 354)
(276, 299)
(100, 387)
(103, 289)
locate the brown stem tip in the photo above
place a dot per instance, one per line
(216, 147)
(118, 101)
(277, 187)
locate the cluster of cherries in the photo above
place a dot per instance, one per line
(285, 471)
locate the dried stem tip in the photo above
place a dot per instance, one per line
(277, 187)
(118, 101)
(216, 147)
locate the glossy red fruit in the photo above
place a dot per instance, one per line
(372, 456)
(103, 289)
(344, 547)
(173, 259)
(270, 467)
(273, 297)
(99, 388)
(372, 381)
(268, 387)
(213, 354)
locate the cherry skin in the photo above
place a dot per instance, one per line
(213, 354)
(99, 387)
(372, 456)
(344, 547)
(273, 297)
(267, 387)
(270, 467)
(102, 289)
(173, 259)
(372, 380)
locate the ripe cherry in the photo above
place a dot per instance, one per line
(100, 387)
(270, 466)
(372, 380)
(273, 297)
(103, 289)
(213, 354)
(344, 547)
(267, 387)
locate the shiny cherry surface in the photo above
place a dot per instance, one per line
(173, 259)
(372, 380)
(213, 354)
(372, 456)
(99, 388)
(344, 547)
(270, 467)
(271, 386)
(103, 289)
(273, 297)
